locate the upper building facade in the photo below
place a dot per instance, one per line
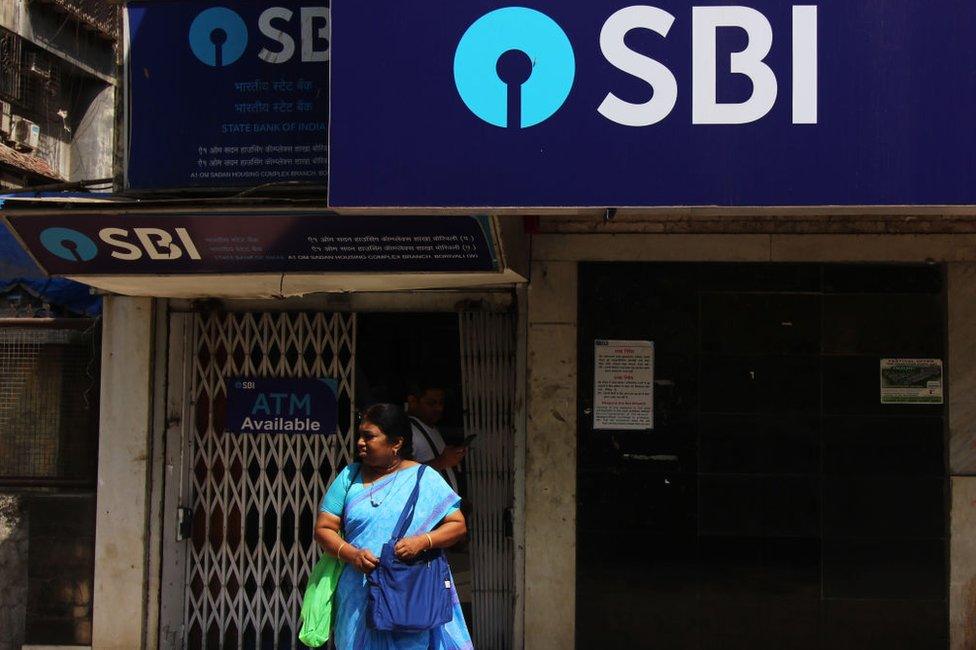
(57, 91)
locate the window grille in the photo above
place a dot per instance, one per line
(10, 66)
(48, 406)
(41, 82)
(31, 79)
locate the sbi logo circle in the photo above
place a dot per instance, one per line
(218, 36)
(536, 92)
(69, 244)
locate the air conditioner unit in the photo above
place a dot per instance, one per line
(24, 133)
(5, 120)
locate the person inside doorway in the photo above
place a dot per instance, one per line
(425, 405)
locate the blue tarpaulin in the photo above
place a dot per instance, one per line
(17, 269)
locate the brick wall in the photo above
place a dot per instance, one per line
(60, 569)
(47, 544)
(13, 571)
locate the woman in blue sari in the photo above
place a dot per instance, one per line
(358, 515)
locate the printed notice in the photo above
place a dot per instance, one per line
(911, 381)
(623, 385)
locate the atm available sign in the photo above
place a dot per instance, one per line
(282, 406)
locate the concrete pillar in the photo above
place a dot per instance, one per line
(121, 544)
(962, 454)
(550, 467)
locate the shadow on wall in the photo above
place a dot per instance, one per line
(46, 569)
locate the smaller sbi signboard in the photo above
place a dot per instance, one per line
(282, 406)
(659, 103)
(127, 244)
(226, 94)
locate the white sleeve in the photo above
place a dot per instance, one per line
(422, 453)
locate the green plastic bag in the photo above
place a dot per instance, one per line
(317, 604)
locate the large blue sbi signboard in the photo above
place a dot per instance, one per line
(226, 93)
(663, 103)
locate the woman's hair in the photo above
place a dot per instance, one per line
(392, 420)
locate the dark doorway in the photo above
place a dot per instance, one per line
(394, 349)
(777, 503)
(397, 350)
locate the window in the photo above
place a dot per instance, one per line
(48, 406)
(48, 459)
(10, 62)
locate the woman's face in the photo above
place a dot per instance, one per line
(374, 448)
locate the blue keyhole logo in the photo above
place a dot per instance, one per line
(218, 36)
(69, 244)
(486, 74)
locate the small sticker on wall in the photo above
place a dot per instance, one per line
(911, 381)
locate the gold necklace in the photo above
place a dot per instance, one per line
(372, 485)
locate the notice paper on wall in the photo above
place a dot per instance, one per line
(623, 385)
(911, 381)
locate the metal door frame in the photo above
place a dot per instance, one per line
(167, 565)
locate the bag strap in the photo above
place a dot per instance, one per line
(406, 517)
(423, 432)
(449, 473)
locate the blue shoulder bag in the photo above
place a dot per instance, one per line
(409, 596)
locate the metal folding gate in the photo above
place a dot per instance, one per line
(253, 499)
(488, 386)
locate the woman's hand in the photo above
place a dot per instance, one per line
(410, 547)
(362, 559)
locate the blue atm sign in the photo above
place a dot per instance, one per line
(668, 103)
(288, 406)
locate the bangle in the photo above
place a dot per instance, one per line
(338, 557)
(429, 540)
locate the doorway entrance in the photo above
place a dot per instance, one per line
(235, 570)
(777, 503)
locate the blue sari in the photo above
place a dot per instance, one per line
(366, 525)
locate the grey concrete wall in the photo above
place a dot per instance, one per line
(550, 463)
(962, 368)
(962, 454)
(962, 551)
(121, 538)
(92, 146)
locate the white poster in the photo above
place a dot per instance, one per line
(911, 381)
(623, 385)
